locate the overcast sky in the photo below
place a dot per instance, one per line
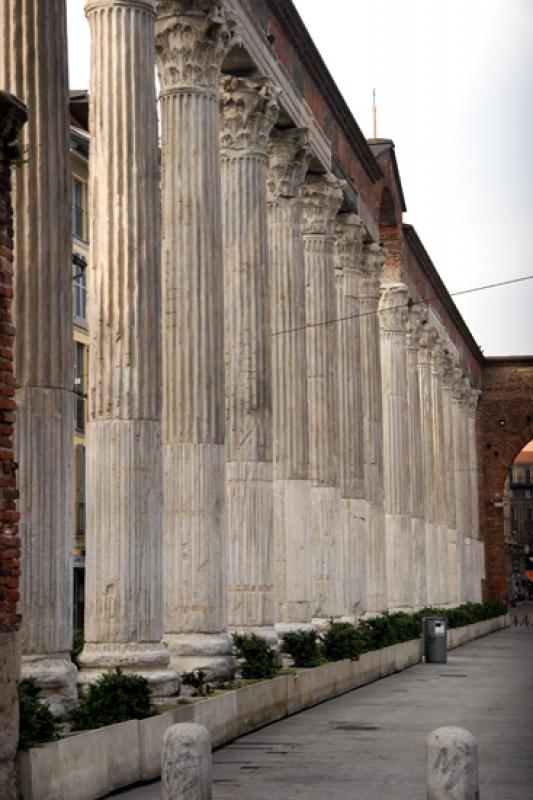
(454, 83)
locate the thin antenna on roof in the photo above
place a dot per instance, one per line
(374, 116)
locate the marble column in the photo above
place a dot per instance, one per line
(427, 339)
(478, 555)
(372, 262)
(192, 39)
(417, 484)
(350, 233)
(124, 580)
(322, 200)
(393, 313)
(33, 66)
(248, 112)
(289, 157)
(460, 466)
(449, 480)
(438, 483)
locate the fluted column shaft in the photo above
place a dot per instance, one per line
(454, 550)
(124, 587)
(33, 66)
(289, 157)
(322, 199)
(191, 42)
(350, 233)
(373, 259)
(418, 526)
(396, 455)
(478, 552)
(248, 112)
(427, 339)
(460, 468)
(440, 554)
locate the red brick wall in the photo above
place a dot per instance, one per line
(505, 425)
(12, 114)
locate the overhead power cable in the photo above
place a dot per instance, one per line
(409, 304)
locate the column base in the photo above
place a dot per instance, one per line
(321, 624)
(328, 551)
(418, 533)
(293, 627)
(150, 660)
(376, 603)
(266, 632)
(399, 562)
(56, 677)
(355, 545)
(210, 652)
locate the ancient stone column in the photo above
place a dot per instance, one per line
(289, 157)
(124, 574)
(449, 479)
(350, 233)
(418, 529)
(478, 555)
(33, 66)
(438, 483)
(192, 39)
(460, 467)
(427, 339)
(248, 112)
(393, 313)
(322, 200)
(372, 261)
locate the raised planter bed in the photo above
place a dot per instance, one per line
(90, 765)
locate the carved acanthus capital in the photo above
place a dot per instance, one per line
(438, 350)
(322, 201)
(393, 309)
(448, 367)
(472, 398)
(289, 155)
(192, 38)
(428, 337)
(350, 232)
(248, 111)
(415, 322)
(372, 260)
(457, 384)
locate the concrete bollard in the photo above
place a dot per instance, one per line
(452, 765)
(186, 763)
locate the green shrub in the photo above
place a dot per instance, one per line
(341, 641)
(115, 697)
(256, 658)
(198, 680)
(36, 724)
(303, 647)
(78, 642)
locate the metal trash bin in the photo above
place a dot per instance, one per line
(435, 640)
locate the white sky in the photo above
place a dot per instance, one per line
(454, 84)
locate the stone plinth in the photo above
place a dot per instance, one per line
(192, 39)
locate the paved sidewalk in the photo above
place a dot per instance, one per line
(370, 744)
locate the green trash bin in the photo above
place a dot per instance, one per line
(435, 640)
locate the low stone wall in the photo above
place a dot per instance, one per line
(92, 764)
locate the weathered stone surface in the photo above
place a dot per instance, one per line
(186, 763)
(452, 765)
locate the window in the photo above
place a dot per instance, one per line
(80, 288)
(79, 386)
(80, 490)
(79, 210)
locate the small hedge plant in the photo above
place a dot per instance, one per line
(304, 647)
(256, 658)
(341, 641)
(115, 697)
(36, 723)
(198, 680)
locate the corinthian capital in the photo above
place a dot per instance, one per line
(415, 323)
(393, 310)
(248, 111)
(372, 260)
(472, 397)
(192, 38)
(322, 201)
(289, 155)
(350, 232)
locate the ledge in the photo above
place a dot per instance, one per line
(90, 765)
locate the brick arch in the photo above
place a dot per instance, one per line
(505, 426)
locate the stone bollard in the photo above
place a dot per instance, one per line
(186, 763)
(452, 765)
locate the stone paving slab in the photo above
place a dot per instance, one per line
(369, 744)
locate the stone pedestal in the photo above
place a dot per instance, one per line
(34, 55)
(124, 573)
(289, 156)
(372, 263)
(350, 233)
(192, 39)
(248, 112)
(322, 199)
